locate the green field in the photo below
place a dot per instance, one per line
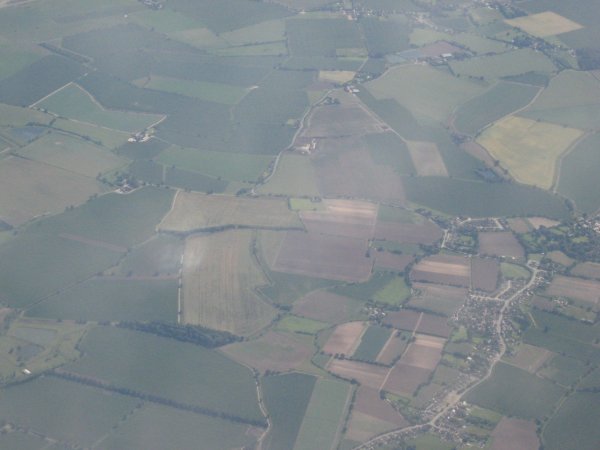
(387, 149)
(502, 99)
(286, 399)
(512, 63)
(73, 102)
(400, 215)
(514, 392)
(322, 37)
(371, 343)
(105, 299)
(575, 424)
(203, 90)
(193, 181)
(393, 293)
(564, 370)
(110, 139)
(72, 154)
(514, 272)
(46, 405)
(368, 290)
(294, 176)
(324, 415)
(182, 372)
(268, 31)
(159, 256)
(154, 427)
(302, 325)
(230, 166)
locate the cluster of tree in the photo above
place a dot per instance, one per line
(194, 334)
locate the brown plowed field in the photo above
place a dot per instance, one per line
(500, 243)
(443, 269)
(408, 233)
(438, 298)
(392, 261)
(577, 288)
(326, 307)
(405, 379)
(405, 319)
(368, 402)
(342, 218)
(484, 274)
(587, 270)
(345, 338)
(367, 375)
(322, 256)
(512, 434)
(434, 325)
(392, 349)
(425, 352)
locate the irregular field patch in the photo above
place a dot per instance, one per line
(445, 269)
(515, 433)
(342, 218)
(427, 159)
(345, 338)
(544, 24)
(585, 290)
(503, 243)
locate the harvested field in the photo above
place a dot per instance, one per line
(368, 402)
(392, 261)
(347, 218)
(444, 269)
(519, 225)
(408, 233)
(345, 338)
(274, 351)
(544, 24)
(327, 307)
(434, 325)
(219, 278)
(368, 375)
(345, 168)
(361, 427)
(512, 433)
(425, 352)
(437, 299)
(427, 159)
(587, 270)
(321, 256)
(530, 357)
(393, 348)
(537, 222)
(577, 288)
(405, 319)
(405, 379)
(500, 243)
(336, 76)
(559, 257)
(484, 273)
(195, 211)
(30, 189)
(439, 48)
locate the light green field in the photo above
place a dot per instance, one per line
(514, 272)
(506, 64)
(394, 293)
(230, 166)
(427, 92)
(266, 49)
(424, 36)
(305, 204)
(295, 176)
(528, 149)
(323, 417)
(269, 31)
(575, 425)
(199, 37)
(12, 60)
(74, 103)
(19, 117)
(72, 154)
(166, 21)
(295, 324)
(108, 138)
(203, 90)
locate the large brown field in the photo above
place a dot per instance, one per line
(392, 350)
(322, 256)
(195, 211)
(368, 375)
(587, 270)
(345, 338)
(427, 159)
(219, 281)
(577, 288)
(273, 351)
(405, 319)
(425, 352)
(434, 325)
(342, 218)
(484, 273)
(326, 307)
(443, 269)
(392, 261)
(369, 402)
(511, 434)
(500, 243)
(408, 233)
(30, 189)
(405, 379)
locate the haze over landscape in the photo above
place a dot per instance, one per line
(299, 224)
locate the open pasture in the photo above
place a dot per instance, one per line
(368, 375)
(587, 270)
(169, 369)
(484, 273)
(405, 379)
(295, 176)
(392, 261)
(72, 154)
(345, 338)
(444, 269)
(427, 159)
(220, 276)
(322, 256)
(427, 92)
(587, 291)
(160, 256)
(321, 37)
(279, 352)
(327, 307)
(300, 325)
(194, 211)
(511, 433)
(226, 94)
(529, 357)
(105, 137)
(514, 271)
(346, 218)
(544, 24)
(31, 189)
(408, 233)
(516, 62)
(528, 149)
(73, 102)
(503, 243)
(437, 299)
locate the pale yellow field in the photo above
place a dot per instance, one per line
(336, 76)
(427, 159)
(544, 24)
(528, 149)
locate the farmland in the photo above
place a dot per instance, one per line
(500, 244)
(342, 218)
(219, 281)
(327, 307)
(444, 269)
(514, 433)
(512, 63)
(573, 424)
(437, 299)
(544, 24)
(576, 288)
